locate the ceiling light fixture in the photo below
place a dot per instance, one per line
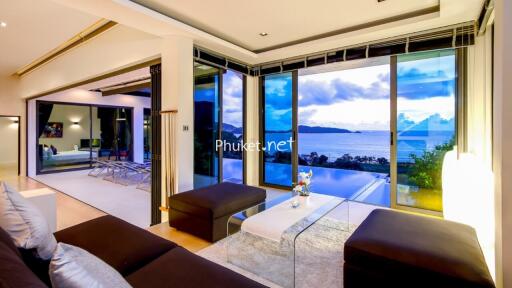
(3, 24)
(263, 34)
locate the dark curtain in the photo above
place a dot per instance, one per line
(45, 110)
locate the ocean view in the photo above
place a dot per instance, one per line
(366, 143)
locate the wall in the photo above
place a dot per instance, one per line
(83, 96)
(502, 140)
(479, 209)
(13, 105)
(9, 143)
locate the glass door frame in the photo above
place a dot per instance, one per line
(294, 152)
(39, 169)
(220, 174)
(460, 123)
(460, 108)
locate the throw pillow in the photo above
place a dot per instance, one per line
(24, 223)
(73, 267)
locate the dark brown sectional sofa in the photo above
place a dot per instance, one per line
(144, 259)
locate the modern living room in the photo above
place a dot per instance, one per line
(172, 144)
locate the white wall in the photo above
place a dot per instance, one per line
(11, 104)
(178, 93)
(9, 142)
(478, 209)
(82, 96)
(502, 138)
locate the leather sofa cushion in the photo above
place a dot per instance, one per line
(13, 271)
(120, 244)
(180, 268)
(389, 241)
(217, 200)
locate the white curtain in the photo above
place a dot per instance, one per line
(169, 123)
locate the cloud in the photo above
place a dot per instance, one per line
(416, 84)
(318, 92)
(232, 98)
(278, 91)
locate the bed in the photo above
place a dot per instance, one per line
(69, 157)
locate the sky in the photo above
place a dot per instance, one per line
(358, 99)
(232, 92)
(355, 99)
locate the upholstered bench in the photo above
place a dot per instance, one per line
(204, 212)
(395, 249)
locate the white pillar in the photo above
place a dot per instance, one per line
(252, 130)
(503, 140)
(178, 93)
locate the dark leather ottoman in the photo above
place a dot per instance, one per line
(204, 212)
(395, 249)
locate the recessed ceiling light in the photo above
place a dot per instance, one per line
(3, 24)
(263, 34)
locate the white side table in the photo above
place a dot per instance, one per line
(45, 200)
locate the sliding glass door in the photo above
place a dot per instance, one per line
(206, 124)
(232, 126)
(218, 125)
(425, 125)
(73, 136)
(344, 130)
(278, 129)
(64, 137)
(374, 131)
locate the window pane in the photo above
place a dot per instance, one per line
(206, 124)
(112, 133)
(343, 118)
(426, 84)
(232, 126)
(278, 129)
(64, 137)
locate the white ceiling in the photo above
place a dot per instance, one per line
(35, 27)
(231, 27)
(285, 21)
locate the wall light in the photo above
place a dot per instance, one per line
(3, 24)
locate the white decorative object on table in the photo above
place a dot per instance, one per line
(304, 183)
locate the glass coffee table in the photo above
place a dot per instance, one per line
(286, 239)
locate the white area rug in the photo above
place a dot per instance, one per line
(125, 202)
(319, 257)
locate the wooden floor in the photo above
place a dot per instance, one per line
(71, 211)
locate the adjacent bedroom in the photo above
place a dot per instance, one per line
(93, 143)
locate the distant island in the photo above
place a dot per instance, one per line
(318, 129)
(302, 129)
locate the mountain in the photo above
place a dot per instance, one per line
(434, 122)
(231, 128)
(302, 129)
(318, 129)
